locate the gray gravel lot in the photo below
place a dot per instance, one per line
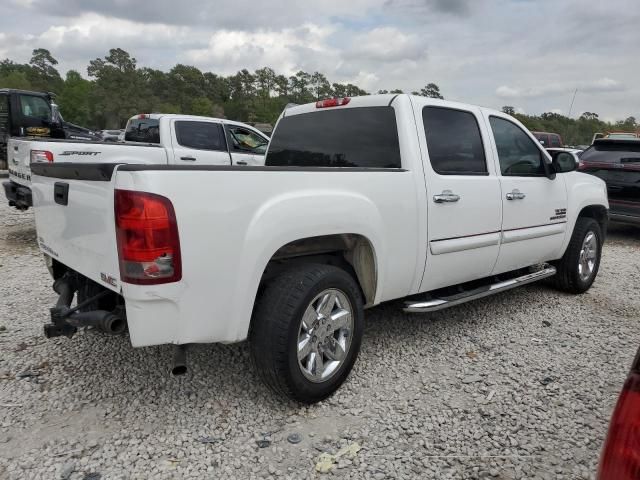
(519, 385)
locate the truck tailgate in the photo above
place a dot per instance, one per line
(75, 218)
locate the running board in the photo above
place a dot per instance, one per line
(433, 304)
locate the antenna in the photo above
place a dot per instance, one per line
(572, 100)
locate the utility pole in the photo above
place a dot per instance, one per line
(572, 100)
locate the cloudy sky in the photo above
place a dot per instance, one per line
(531, 54)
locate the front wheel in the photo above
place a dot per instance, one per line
(306, 331)
(578, 267)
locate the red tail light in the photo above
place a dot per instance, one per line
(41, 156)
(332, 102)
(147, 235)
(621, 454)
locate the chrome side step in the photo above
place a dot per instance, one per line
(433, 304)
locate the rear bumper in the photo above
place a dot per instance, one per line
(17, 195)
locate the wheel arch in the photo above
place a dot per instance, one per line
(599, 213)
(353, 252)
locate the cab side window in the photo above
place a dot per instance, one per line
(31, 106)
(245, 141)
(518, 154)
(200, 135)
(454, 142)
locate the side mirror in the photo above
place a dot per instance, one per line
(563, 162)
(55, 114)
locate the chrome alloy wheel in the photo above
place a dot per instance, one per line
(325, 333)
(588, 256)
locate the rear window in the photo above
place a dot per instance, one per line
(555, 140)
(200, 135)
(454, 142)
(350, 137)
(622, 152)
(146, 130)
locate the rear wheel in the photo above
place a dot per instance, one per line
(579, 266)
(306, 331)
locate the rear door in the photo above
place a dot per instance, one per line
(464, 210)
(246, 146)
(534, 207)
(199, 142)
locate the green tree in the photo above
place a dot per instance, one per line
(75, 99)
(431, 90)
(43, 74)
(508, 110)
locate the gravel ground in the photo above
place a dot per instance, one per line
(519, 385)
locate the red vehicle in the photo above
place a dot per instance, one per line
(549, 140)
(620, 458)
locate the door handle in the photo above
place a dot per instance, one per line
(191, 159)
(515, 194)
(241, 163)
(447, 196)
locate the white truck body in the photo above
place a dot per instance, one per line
(167, 148)
(405, 234)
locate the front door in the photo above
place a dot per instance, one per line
(463, 194)
(246, 146)
(199, 142)
(534, 206)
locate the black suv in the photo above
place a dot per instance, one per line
(617, 162)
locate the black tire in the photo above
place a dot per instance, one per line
(276, 325)
(568, 278)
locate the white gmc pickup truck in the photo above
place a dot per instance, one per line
(150, 138)
(361, 201)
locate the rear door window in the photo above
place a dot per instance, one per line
(555, 141)
(200, 135)
(517, 153)
(146, 130)
(454, 142)
(365, 137)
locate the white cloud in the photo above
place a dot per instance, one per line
(599, 85)
(386, 44)
(483, 52)
(228, 51)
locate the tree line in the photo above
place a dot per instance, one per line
(117, 88)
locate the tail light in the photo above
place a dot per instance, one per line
(620, 458)
(147, 236)
(41, 156)
(332, 102)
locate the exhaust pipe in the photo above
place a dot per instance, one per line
(179, 360)
(104, 321)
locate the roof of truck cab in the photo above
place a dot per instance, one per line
(23, 92)
(177, 116)
(383, 100)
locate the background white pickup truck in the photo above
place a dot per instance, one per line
(150, 139)
(361, 201)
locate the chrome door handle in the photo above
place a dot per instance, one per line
(515, 195)
(447, 196)
(191, 159)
